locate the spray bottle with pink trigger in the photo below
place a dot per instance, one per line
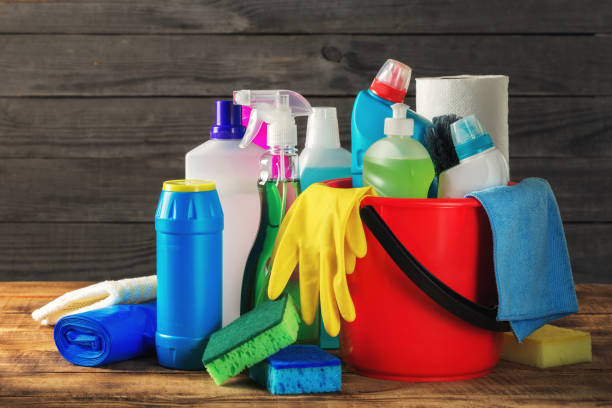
(278, 185)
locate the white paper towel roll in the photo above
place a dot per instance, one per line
(485, 96)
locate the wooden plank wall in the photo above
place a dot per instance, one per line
(100, 99)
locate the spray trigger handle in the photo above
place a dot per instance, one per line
(252, 129)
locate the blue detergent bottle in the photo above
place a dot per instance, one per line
(372, 106)
(323, 158)
(189, 224)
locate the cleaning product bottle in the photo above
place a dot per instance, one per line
(235, 171)
(278, 188)
(481, 164)
(398, 165)
(323, 158)
(371, 108)
(189, 229)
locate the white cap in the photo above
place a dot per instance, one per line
(322, 128)
(282, 131)
(399, 125)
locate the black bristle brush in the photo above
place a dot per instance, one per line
(440, 143)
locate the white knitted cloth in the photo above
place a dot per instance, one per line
(97, 296)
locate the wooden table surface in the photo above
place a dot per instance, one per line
(33, 373)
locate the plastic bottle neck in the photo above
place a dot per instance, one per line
(399, 136)
(279, 163)
(285, 149)
(383, 100)
(476, 155)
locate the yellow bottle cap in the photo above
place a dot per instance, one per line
(189, 186)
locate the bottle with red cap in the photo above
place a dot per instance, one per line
(372, 106)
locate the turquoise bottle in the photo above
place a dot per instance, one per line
(323, 158)
(373, 105)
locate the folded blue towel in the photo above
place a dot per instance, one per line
(107, 335)
(532, 266)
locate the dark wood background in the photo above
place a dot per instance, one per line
(100, 100)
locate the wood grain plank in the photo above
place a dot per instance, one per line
(126, 190)
(27, 347)
(92, 252)
(32, 371)
(76, 190)
(572, 181)
(55, 252)
(23, 297)
(560, 127)
(315, 16)
(33, 290)
(142, 128)
(526, 388)
(594, 298)
(590, 248)
(199, 65)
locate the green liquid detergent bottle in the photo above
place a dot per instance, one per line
(278, 186)
(398, 165)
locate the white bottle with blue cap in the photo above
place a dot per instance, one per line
(235, 171)
(480, 166)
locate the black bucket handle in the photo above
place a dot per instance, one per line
(473, 313)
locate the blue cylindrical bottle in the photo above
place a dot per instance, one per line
(189, 225)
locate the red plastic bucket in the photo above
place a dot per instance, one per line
(400, 333)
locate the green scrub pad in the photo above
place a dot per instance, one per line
(549, 346)
(251, 338)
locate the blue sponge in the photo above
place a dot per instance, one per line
(299, 369)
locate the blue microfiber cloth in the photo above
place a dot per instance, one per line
(532, 266)
(107, 335)
(299, 369)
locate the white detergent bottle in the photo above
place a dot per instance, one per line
(480, 166)
(323, 158)
(235, 171)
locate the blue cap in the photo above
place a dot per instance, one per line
(228, 121)
(469, 137)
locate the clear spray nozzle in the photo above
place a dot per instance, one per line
(278, 108)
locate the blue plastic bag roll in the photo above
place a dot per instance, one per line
(107, 335)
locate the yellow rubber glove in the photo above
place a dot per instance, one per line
(322, 231)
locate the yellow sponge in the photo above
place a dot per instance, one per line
(549, 346)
